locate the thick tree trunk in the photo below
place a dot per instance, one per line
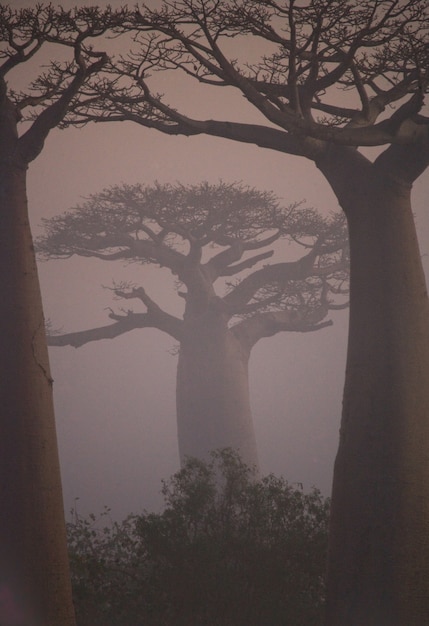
(213, 406)
(34, 573)
(378, 570)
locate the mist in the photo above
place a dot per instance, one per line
(115, 399)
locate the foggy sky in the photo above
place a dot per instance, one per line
(115, 399)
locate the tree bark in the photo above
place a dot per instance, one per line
(213, 406)
(378, 565)
(34, 572)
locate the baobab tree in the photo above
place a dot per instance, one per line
(34, 575)
(209, 237)
(332, 78)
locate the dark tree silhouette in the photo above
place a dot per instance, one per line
(227, 549)
(210, 236)
(34, 574)
(332, 77)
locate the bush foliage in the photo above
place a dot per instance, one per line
(229, 549)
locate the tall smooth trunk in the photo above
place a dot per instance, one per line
(213, 406)
(378, 566)
(35, 585)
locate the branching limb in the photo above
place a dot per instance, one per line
(242, 293)
(221, 263)
(251, 330)
(31, 143)
(123, 324)
(232, 270)
(80, 338)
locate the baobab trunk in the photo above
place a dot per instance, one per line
(378, 572)
(213, 407)
(35, 585)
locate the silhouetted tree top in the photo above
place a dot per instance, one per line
(302, 55)
(204, 233)
(57, 48)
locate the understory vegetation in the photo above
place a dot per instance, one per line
(228, 549)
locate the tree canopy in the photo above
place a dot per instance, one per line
(375, 52)
(206, 233)
(29, 36)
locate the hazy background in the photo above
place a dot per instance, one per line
(115, 399)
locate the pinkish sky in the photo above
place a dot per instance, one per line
(115, 400)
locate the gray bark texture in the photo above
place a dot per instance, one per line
(379, 553)
(35, 582)
(213, 405)
(34, 571)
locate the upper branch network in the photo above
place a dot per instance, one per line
(375, 53)
(214, 239)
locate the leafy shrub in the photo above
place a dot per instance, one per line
(229, 549)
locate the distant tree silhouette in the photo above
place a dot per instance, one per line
(209, 236)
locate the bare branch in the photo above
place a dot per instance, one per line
(321, 47)
(49, 96)
(251, 330)
(80, 338)
(124, 323)
(244, 291)
(231, 270)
